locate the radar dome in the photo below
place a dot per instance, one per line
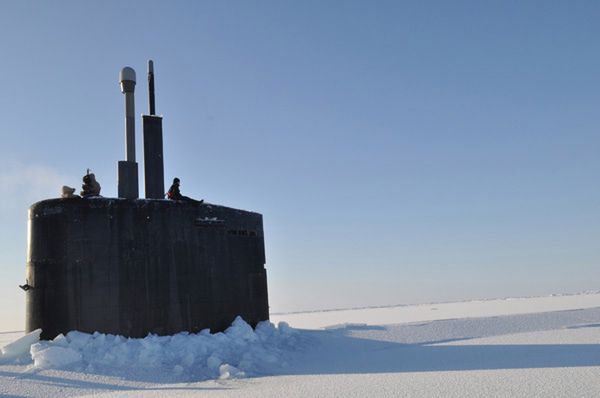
(127, 74)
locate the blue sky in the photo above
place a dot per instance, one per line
(400, 152)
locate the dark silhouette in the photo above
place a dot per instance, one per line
(90, 186)
(175, 194)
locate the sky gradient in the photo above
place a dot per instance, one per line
(400, 152)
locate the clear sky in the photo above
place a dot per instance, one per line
(400, 152)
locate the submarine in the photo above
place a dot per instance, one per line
(135, 266)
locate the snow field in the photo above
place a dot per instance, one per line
(439, 311)
(525, 347)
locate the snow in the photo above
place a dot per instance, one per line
(238, 352)
(439, 311)
(53, 357)
(527, 347)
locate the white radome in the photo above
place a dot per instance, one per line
(127, 74)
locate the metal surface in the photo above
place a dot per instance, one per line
(153, 146)
(133, 267)
(153, 157)
(151, 104)
(127, 180)
(128, 176)
(127, 77)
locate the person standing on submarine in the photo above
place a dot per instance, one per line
(175, 194)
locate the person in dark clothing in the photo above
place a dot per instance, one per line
(90, 186)
(175, 194)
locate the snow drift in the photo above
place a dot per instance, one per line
(238, 352)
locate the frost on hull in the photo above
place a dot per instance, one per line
(133, 267)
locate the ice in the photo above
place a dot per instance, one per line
(228, 372)
(19, 348)
(213, 362)
(46, 356)
(235, 353)
(553, 352)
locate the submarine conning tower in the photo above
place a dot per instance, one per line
(132, 266)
